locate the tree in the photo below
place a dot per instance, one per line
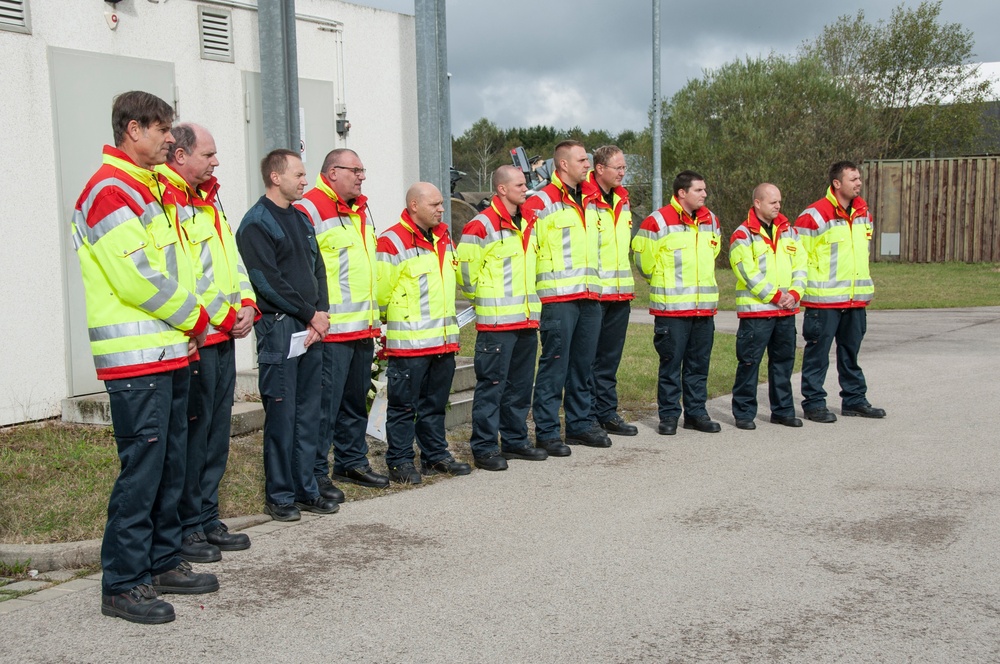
(913, 72)
(774, 119)
(479, 151)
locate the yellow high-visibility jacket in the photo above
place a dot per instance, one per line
(137, 274)
(765, 266)
(348, 245)
(222, 281)
(614, 226)
(836, 243)
(496, 269)
(676, 254)
(568, 244)
(416, 289)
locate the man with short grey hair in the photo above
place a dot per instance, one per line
(229, 299)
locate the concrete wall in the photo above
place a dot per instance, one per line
(381, 101)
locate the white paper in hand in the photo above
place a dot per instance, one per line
(297, 345)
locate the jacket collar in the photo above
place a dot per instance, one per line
(342, 207)
(112, 156)
(438, 232)
(780, 223)
(858, 205)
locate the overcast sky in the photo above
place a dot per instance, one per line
(589, 62)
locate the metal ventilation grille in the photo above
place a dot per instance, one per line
(216, 31)
(14, 16)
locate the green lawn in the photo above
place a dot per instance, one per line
(897, 286)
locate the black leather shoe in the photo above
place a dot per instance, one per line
(786, 421)
(328, 490)
(703, 424)
(862, 410)
(196, 549)
(667, 426)
(618, 426)
(554, 448)
(527, 453)
(447, 466)
(182, 580)
(362, 476)
(227, 541)
(318, 505)
(748, 425)
(820, 415)
(591, 438)
(404, 473)
(287, 512)
(494, 461)
(138, 605)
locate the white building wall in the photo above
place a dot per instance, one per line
(381, 101)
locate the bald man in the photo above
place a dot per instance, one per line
(770, 269)
(229, 299)
(496, 270)
(415, 285)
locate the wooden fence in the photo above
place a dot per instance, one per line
(935, 210)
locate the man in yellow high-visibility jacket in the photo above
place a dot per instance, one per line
(568, 286)
(770, 268)
(675, 250)
(836, 232)
(145, 321)
(496, 270)
(617, 285)
(416, 297)
(346, 237)
(225, 288)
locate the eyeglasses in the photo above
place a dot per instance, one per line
(357, 171)
(620, 169)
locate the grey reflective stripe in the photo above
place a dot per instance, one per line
(685, 290)
(324, 225)
(396, 241)
(421, 325)
(150, 209)
(863, 282)
(826, 299)
(425, 297)
(863, 297)
(562, 290)
(311, 211)
(104, 226)
(499, 302)
(567, 274)
(468, 288)
(678, 266)
(207, 266)
(345, 271)
(828, 284)
(143, 356)
(215, 306)
(165, 289)
(505, 319)
(820, 223)
(567, 249)
(755, 306)
(351, 307)
(170, 256)
(508, 277)
(344, 328)
(475, 239)
(131, 329)
(678, 306)
(834, 259)
(407, 255)
(742, 241)
(614, 274)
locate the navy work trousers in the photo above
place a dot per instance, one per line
(417, 390)
(820, 327)
(610, 344)
(569, 333)
(142, 537)
(347, 377)
(776, 335)
(505, 371)
(684, 344)
(291, 390)
(210, 411)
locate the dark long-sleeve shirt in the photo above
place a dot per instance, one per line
(283, 262)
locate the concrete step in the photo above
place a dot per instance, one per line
(248, 412)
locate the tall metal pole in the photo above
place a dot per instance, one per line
(657, 112)
(428, 90)
(444, 131)
(279, 78)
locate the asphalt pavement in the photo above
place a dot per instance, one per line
(859, 541)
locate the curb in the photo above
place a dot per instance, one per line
(74, 555)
